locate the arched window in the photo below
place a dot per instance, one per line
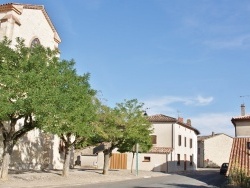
(35, 42)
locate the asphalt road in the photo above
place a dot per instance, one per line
(204, 178)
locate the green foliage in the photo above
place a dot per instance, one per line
(26, 82)
(124, 126)
(239, 177)
(75, 106)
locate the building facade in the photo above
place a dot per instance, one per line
(213, 150)
(174, 149)
(35, 150)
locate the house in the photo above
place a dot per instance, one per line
(213, 150)
(31, 22)
(174, 148)
(174, 145)
(240, 152)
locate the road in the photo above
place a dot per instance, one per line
(203, 178)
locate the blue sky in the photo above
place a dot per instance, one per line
(183, 57)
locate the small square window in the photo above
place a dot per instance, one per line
(146, 159)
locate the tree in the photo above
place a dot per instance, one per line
(75, 111)
(123, 127)
(27, 85)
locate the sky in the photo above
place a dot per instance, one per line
(181, 58)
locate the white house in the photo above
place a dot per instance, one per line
(174, 149)
(214, 149)
(31, 22)
(174, 145)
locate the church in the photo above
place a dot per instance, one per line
(35, 150)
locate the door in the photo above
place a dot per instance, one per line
(118, 161)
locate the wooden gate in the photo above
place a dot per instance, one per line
(118, 161)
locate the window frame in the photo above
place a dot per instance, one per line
(191, 143)
(146, 159)
(179, 140)
(154, 139)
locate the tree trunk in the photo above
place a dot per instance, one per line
(65, 172)
(107, 154)
(7, 150)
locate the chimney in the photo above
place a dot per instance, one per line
(242, 109)
(180, 119)
(189, 122)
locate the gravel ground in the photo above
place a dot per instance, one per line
(76, 176)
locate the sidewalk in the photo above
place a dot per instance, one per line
(78, 176)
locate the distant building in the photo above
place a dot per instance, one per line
(213, 150)
(35, 150)
(240, 153)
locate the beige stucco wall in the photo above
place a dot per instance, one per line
(217, 150)
(33, 25)
(242, 129)
(164, 134)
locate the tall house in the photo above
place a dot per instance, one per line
(175, 139)
(240, 152)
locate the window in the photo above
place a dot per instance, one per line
(185, 142)
(199, 151)
(146, 159)
(191, 160)
(178, 159)
(191, 142)
(248, 145)
(153, 138)
(35, 42)
(179, 140)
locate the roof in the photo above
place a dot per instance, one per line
(205, 137)
(160, 118)
(160, 150)
(240, 155)
(17, 7)
(240, 118)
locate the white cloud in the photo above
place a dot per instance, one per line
(214, 122)
(204, 101)
(164, 104)
(205, 123)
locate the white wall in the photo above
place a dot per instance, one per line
(217, 150)
(33, 25)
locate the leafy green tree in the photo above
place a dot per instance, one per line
(123, 127)
(27, 80)
(75, 111)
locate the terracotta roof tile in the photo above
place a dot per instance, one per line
(240, 155)
(161, 118)
(160, 150)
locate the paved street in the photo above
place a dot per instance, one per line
(202, 178)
